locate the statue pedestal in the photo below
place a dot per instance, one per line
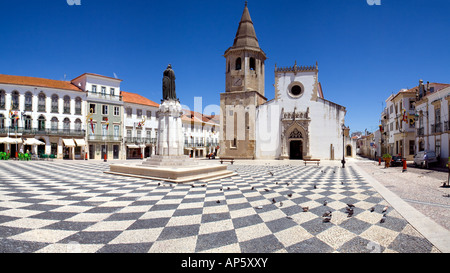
(170, 134)
(170, 164)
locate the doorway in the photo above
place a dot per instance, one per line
(349, 151)
(296, 150)
(116, 152)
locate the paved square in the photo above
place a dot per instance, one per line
(74, 207)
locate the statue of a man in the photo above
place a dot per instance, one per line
(169, 84)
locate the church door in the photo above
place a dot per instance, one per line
(296, 150)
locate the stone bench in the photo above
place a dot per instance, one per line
(231, 160)
(314, 161)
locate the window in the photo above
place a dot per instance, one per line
(2, 121)
(139, 134)
(92, 129)
(41, 123)
(66, 105)
(149, 134)
(94, 89)
(104, 109)
(66, 125)
(78, 125)
(78, 106)
(149, 114)
(27, 122)
(116, 130)
(116, 110)
(252, 64)
(411, 147)
(129, 112)
(28, 101)
(103, 91)
(55, 103)
(92, 108)
(128, 134)
(139, 113)
(238, 64)
(41, 102)
(104, 130)
(296, 90)
(2, 99)
(112, 92)
(15, 100)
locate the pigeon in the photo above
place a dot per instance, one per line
(203, 185)
(281, 204)
(273, 200)
(350, 213)
(342, 182)
(218, 201)
(327, 214)
(276, 183)
(289, 217)
(287, 183)
(315, 187)
(271, 173)
(159, 184)
(383, 218)
(305, 209)
(221, 189)
(446, 195)
(326, 219)
(290, 195)
(192, 186)
(385, 209)
(267, 190)
(350, 205)
(228, 188)
(325, 202)
(372, 209)
(253, 188)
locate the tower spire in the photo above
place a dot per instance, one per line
(246, 35)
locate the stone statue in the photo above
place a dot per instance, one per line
(169, 84)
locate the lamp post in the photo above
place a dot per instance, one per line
(343, 146)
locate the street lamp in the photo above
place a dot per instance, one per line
(343, 145)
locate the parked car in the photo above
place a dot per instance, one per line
(397, 161)
(425, 158)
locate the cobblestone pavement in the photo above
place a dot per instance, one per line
(421, 188)
(74, 207)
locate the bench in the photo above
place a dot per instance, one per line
(314, 161)
(231, 160)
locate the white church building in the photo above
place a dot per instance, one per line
(299, 123)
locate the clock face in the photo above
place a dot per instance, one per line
(237, 82)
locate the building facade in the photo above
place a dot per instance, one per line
(140, 125)
(201, 134)
(299, 123)
(46, 110)
(432, 114)
(104, 117)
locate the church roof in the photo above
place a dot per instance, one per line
(246, 35)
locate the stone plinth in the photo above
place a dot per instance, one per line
(170, 134)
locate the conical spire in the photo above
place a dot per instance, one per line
(246, 35)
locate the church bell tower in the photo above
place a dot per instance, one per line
(244, 91)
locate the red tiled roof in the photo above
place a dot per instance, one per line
(40, 82)
(136, 98)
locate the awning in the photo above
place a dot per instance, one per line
(132, 146)
(69, 143)
(9, 140)
(80, 142)
(33, 141)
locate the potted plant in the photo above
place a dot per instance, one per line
(387, 159)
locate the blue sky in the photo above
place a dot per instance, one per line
(365, 52)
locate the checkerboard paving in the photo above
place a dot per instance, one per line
(75, 207)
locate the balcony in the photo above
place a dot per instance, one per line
(436, 128)
(102, 138)
(103, 96)
(43, 132)
(139, 140)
